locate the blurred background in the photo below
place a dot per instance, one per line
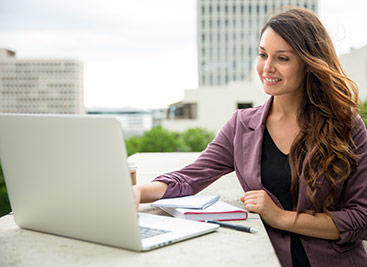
(171, 70)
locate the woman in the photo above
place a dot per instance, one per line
(301, 157)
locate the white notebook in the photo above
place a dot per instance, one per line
(189, 202)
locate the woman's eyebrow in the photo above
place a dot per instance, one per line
(278, 51)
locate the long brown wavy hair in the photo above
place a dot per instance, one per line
(323, 149)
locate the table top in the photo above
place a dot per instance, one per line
(225, 247)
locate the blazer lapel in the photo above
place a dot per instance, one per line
(252, 143)
(252, 146)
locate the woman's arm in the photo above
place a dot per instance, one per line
(149, 192)
(319, 225)
(214, 162)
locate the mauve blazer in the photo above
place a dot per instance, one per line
(237, 148)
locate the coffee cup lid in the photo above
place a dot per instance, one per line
(132, 165)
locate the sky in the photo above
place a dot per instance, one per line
(136, 53)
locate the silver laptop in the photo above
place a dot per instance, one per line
(67, 175)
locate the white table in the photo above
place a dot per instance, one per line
(224, 247)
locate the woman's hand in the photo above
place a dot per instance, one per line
(259, 201)
(137, 196)
(318, 225)
(148, 192)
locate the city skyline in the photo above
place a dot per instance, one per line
(135, 53)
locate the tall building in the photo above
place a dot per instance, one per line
(40, 85)
(355, 65)
(228, 34)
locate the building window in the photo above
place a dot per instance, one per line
(244, 105)
(182, 110)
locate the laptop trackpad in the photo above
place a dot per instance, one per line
(177, 229)
(173, 224)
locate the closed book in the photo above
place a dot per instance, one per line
(188, 202)
(219, 211)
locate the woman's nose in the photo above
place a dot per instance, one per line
(268, 67)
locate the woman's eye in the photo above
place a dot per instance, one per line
(262, 55)
(283, 59)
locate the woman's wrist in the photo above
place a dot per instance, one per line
(285, 220)
(151, 191)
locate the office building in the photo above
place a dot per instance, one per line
(355, 65)
(228, 34)
(40, 85)
(210, 107)
(134, 121)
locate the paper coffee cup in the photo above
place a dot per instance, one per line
(132, 168)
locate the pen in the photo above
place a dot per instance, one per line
(242, 228)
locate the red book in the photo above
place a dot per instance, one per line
(219, 211)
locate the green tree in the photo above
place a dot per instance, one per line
(4, 200)
(196, 139)
(133, 145)
(364, 112)
(159, 139)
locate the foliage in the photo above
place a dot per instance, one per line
(196, 139)
(133, 145)
(159, 139)
(364, 112)
(4, 200)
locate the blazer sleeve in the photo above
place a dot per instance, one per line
(215, 161)
(351, 221)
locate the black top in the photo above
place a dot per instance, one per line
(276, 177)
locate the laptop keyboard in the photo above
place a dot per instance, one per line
(149, 232)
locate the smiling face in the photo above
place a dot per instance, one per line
(280, 69)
